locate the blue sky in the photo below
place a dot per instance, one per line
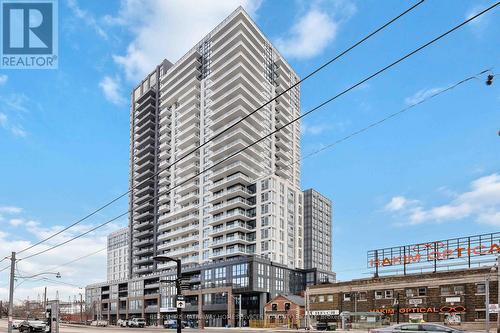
(432, 173)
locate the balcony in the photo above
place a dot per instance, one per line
(179, 241)
(235, 226)
(143, 216)
(143, 225)
(147, 241)
(143, 269)
(145, 251)
(168, 223)
(234, 167)
(230, 204)
(143, 260)
(143, 234)
(238, 214)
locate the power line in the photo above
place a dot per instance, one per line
(314, 72)
(390, 116)
(76, 237)
(380, 71)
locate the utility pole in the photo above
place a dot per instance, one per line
(487, 303)
(397, 308)
(11, 290)
(45, 298)
(81, 308)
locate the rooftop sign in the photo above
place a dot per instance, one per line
(464, 251)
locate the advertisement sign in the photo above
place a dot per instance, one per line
(470, 247)
(323, 313)
(493, 308)
(443, 309)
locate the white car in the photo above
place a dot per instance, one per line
(137, 322)
(15, 323)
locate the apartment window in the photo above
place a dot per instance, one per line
(362, 296)
(321, 298)
(264, 209)
(378, 295)
(388, 294)
(452, 290)
(264, 185)
(347, 297)
(422, 291)
(480, 288)
(329, 298)
(287, 306)
(274, 307)
(409, 292)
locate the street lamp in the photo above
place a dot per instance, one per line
(57, 274)
(177, 285)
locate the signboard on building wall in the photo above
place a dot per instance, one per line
(415, 301)
(435, 254)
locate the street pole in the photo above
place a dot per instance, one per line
(397, 308)
(44, 298)
(81, 308)
(11, 290)
(239, 311)
(487, 303)
(179, 292)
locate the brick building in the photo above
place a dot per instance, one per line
(285, 310)
(432, 297)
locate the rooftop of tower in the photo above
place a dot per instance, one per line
(238, 11)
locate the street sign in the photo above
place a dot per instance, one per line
(181, 304)
(179, 297)
(453, 299)
(415, 301)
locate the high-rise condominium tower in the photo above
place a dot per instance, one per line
(249, 204)
(317, 231)
(118, 255)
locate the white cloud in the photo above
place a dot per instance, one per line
(397, 203)
(86, 17)
(313, 129)
(316, 29)
(421, 95)
(168, 29)
(17, 130)
(13, 107)
(10, 209)
(479, 24)
(480, 203)
(86, 271)
(111, 89)
(309, 36)
(3, 79)
(16, 222)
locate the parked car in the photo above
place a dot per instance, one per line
(32, 326)
(15, 323)
(122, 323)
(172, 323)
(137, 322)
(99, 323)
(416, 328)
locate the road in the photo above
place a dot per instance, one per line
(90, 329)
